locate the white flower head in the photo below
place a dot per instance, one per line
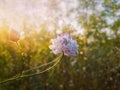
(64, 43)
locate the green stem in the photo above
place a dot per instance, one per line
(37, 67)
(34, 74)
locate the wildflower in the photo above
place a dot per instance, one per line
(64, 43)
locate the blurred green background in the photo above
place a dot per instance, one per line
(96, 67)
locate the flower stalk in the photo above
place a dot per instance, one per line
(23, 75)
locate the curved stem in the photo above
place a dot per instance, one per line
(34, 74)
(37, 67)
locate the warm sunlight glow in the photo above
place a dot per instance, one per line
(20, 14)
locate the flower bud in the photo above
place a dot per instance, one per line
(14, 36)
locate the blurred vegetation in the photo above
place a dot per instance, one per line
(96, 67)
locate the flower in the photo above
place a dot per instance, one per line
(64, 43)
